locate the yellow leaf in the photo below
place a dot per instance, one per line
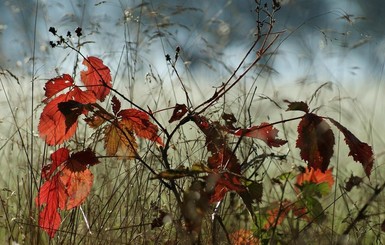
(119, 140)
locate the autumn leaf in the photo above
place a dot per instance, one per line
(264, 132)
(242, 237)
(80, 96)
(86, 157)
(52, 125)
(57, 158)
(68, 183)
(97, 77)
(78, 181)
(94, 121)
(179, 111)
(277, 214)
(315, 141)
(139, 122)
(316, 176)
(226, 169)
(360, 151)
(119, 140)
(115, 105)
(55, 85)
(52, 195)
(297, 106)
(353, 181)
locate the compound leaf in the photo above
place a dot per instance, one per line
(140, 123)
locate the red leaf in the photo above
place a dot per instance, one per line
(84, 97)
(57, 158)
(52, 125)
(97, 78)
(78, 181)
(115, 105)
(273, 219)
(179, 112)
(297, 106)
(316, 176)
(218, 193)
(49, 220)
(55, 85)
(315, 141)
(222, 161)
(52, 195)
(360, 151)
(264, 132)
(141, 124)
(66, 189)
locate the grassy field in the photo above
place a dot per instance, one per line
(129, 205)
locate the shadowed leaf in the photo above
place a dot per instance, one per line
(315, 141)
(178, 113)
(115, 105)
(353, 181)
(360, 151)
(71, 110)
(297, 106)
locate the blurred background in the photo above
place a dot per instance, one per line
(328, 39)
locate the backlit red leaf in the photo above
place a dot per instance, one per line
(264, 132)
(141, 125)
(57, 158)
(52, 195)
(360, 151)
(78, 181)
(178, 113)
(315, 141)
(84, 97)
(68, 183)
(52, 125)
(55, 85)
(97, 77)
(316, 176)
